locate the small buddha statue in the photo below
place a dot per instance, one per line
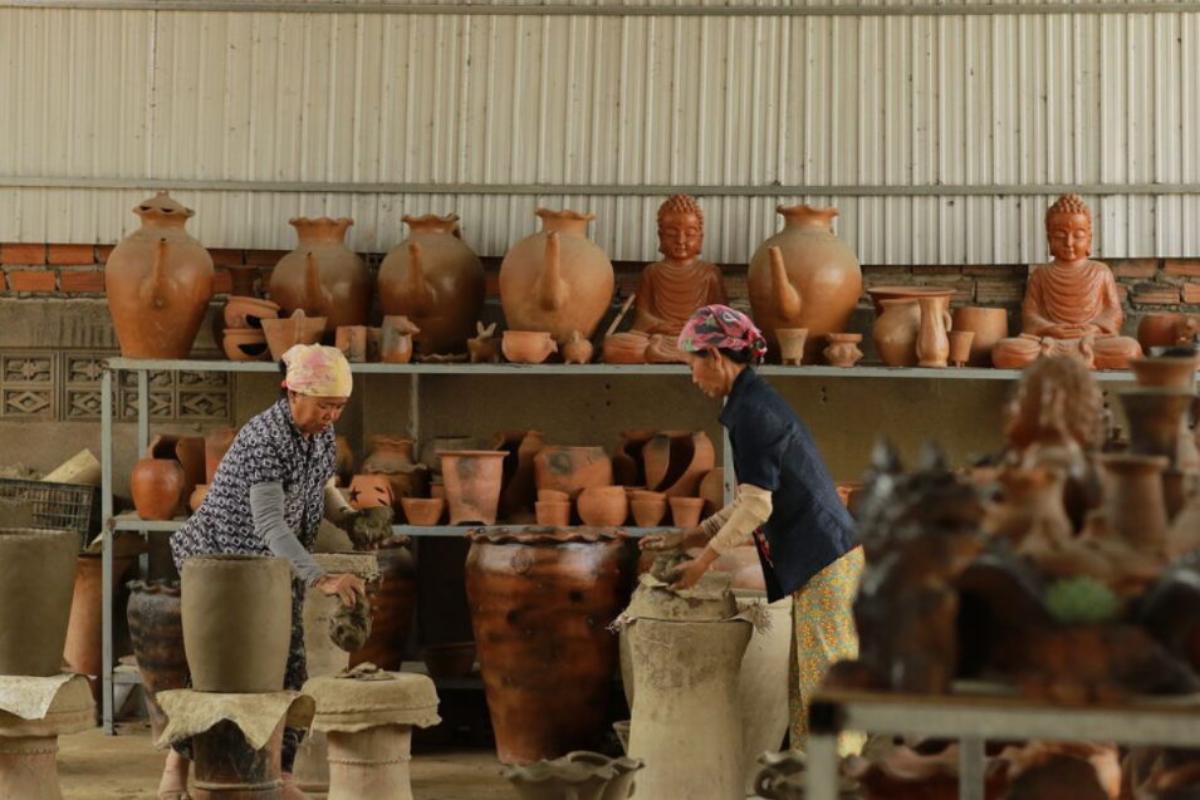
(1071, 304)
(671, 289)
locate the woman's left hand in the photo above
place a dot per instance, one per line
(346, 586)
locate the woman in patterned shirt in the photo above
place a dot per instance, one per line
(267, 498)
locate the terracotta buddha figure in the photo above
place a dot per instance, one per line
(1071, 304)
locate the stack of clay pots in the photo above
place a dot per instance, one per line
(244, 339)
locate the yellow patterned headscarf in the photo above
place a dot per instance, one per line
(317, 371)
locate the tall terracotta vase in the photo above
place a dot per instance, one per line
(557, 280)
(541, 600)
(82, 650)
(393, 456)
(473, 480)
(37, 569)
(392, 603)
(322, 276)
(158, 482)
(933, 340)
(158, 281)
(815, 285)
(436, 280)
(990, 325)
(156, 628)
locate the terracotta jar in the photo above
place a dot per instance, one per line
(423, 511)
(392, 602)
(156, 629)
(842, 350)
(246, 313)
(933, 340)
(245, 344)
(82, 650)
(216, 442)
(436, 280)
(820, 282)
(158, 281)
(685, 511)
(990, 325)
(556, 280)
(299, 328)
(237, 613)
(1133, 499)
(541, 601)
(898, 321)
(393, 456)
(37, 579)
(158, 482)
(473, 481)
(572, 469)
(322, 276)
(371, 491)
(577, 349)
(603, 506)
(960, 347)
(527, 347)
(553, 513)
(791, 345)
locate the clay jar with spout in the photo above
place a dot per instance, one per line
(819, 283)
(541, 600)
(158, 281)
(436, 280)
(556, 280)
(322, 276)
(37, 580)
(156, 630)
(933, 340)
(473, 481)
(990, 325)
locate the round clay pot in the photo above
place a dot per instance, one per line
(556, 280)
(648, 511)
(197, 496)
(158, 281)
(553, 496)
(371, 491)
(1177, 372)
(473, 480)
(577, 349)
(842, 350)
(527, 347)
(791, 345)
(1160, 329)
(452, 660)
(322, 276)
(424, 511)
(37, 580)
(216, 442)
(436, 280)
(625, 348)
(990, 325)
(393, 456)
(603, 506)
(245, 344)
(248, 312)
(553, 513)
(960, 347)
(392, 604)
(237, 614)
(541, 601)
(813, 283)
(572, 469)
(299, 328)
(158, 486)
(156, 629)
(685, 511)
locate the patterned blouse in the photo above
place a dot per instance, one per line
(268, 449)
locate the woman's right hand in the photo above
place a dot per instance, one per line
(678, 540)
(346, 586)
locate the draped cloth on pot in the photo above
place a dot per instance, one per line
(62, 701)
(190, 713)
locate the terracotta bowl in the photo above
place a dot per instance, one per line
(424, 511)
(648, 512)
(527, 347)
(603, 506)
(553, 496)
(249, 312)
(553, 513)
(245, 344)
(685, 511)
(282, 334)
(455, 660)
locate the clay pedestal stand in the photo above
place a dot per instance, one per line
(368, 717)
(34, 712)
(230, 768)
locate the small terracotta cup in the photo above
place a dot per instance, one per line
(960, 347)
(423, 511)
(553, 513)
(685, 511)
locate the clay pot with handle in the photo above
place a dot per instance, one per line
(322, 276)
(933, 340)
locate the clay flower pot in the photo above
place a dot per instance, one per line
(299, 328)
(685, 511)
(648, 508)
(424, 511)
(158, 482)
(989, 325)
(791, 345)
(960, 347)
(473, 481)
(547, 684)
(158, 281)
(712, 489)
(392, 602)
(577, 349)
(625, 348)
(245, 344)
(37, 579)
(352, 341)
(451, 660)
(371, 491)
(527, 347)
(322, 277)
(237, 613)
(243, 313)
(842, 350)
(1177, 372)
(572, 469)
(553, 513)
(603, 506)
(156, 630)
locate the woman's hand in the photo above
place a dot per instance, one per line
(347, 587)
(679, 540)
(689, 572)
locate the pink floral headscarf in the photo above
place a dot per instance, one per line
(317, 371)
(723, 328)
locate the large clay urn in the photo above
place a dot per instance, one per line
(158, 281)
(541, 603)
(37, 581)
(815, 283)
(392, 602)
(322, 276)
(156, 629)
(237, 621)
(435, 280)
(557, 280)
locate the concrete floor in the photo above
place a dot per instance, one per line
(93, 766)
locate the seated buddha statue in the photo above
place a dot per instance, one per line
(671, 289)
(1071, 305)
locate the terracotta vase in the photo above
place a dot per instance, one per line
(473, 481)
(245, 344)
(685, 511)
(1157, 420)
(158, 281)
(156, 629)
(82, 650)
(392, 604)
(648, 509)
(527, 347)
(603, 506)
(960, 347)
(423, 511)
(393, 456)
(541, 600)
(791, 345)
(989, 325)
(842, 350)
(352, 341)
(1178, 372)
(247, 313)
(237, 613)
(625, 348)
(37, 579)
(556, 280)
(371, 491)
(577, 349)
(816, 285)
(322, 276)
(216, 442)
(933, 341)
(572, 469)
(158, 481)
(520, 484)
(553, 513)
(1133, 499)
(299, 328)
(436, 280)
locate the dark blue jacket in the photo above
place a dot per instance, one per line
(809, 527)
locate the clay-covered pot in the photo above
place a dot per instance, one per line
(423, 511)
(553, 513)
(763, 681)
(216, 442)
(393, 456)
(603, 506)
(244, 313)
(245, 344)
(842, 350)
(156, 629)
(541, 601)
(815, 284)
(791, 345)
(436, 280)
(577, 349)
(158, 481)
(299, 328)
(989, 325)
(237, 613)
(572, 469)
(158, 281)
(527, 347)
(322, 276)
(556, 280)
(37, 581)
(685, 511)
(392, 604)
(473, 481)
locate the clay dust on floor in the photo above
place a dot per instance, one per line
(93, 766)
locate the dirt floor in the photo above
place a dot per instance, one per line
(93, 766)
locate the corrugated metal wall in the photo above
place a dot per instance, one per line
(937, 130)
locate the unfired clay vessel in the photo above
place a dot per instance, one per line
(933, 341)
(990, 326)
(791, 345)
(842, 350)
(158, 281)
(436, 280)
(322, 276)
(763, 681)
(37, 580)
(473, 482)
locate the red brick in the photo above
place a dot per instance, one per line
(1122, 293)
(1191, 293)
(222, 282)
(937, 269)
(71, 255)
(1155, 294)
(103, 251)
(1134, 267)
(18, 253)
(880, 272)
(996, 272)
(31, 280)
(1188, 267)
(492, 284)
(81, 281)
(991, 292)
(264, 258)
(224, 257)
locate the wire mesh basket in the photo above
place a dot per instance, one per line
(58, 506)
